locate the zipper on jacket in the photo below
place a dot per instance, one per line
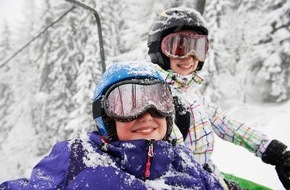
(150, 154)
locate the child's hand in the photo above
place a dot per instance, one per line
(277, 155)
(283, 170)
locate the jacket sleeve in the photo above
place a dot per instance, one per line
(185, 163)
(176, 134)
(49, 173)
(236, 132)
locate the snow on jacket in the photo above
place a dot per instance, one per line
(92, 163)
(207, 119)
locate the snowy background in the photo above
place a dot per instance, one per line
(49, 64)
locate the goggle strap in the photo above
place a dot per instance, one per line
(97, 112)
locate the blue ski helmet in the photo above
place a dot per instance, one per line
(115, 73)
(169, 21)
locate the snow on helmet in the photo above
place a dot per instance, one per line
(169, 21)
(118, 72)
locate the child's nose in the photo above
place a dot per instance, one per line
(146, 116)
(191, 58)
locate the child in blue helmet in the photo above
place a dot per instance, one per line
(178, 45)
(133, 111)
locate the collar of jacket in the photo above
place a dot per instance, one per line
(178, 80)
(132, 156)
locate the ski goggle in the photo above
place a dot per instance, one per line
(127, 100)
(181, 45)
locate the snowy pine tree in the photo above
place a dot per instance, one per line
(6, 92)
(245, 45)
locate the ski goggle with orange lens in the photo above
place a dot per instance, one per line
(127, 100)
(181, 45)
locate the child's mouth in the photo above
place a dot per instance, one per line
(184, 66)
(145, 130)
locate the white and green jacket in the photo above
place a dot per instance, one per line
(207, 119)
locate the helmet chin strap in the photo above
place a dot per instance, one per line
(160, 59)
(199, 66)
(101, 126)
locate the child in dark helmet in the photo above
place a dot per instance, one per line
(178, 46)
(133, 111)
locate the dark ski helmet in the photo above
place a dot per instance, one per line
(170, 21)
(117, 72)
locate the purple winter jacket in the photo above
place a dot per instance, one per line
(92, 163)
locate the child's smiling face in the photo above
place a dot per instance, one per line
(144, 127)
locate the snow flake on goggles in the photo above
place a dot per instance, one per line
(181, 45)
(127, 100)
